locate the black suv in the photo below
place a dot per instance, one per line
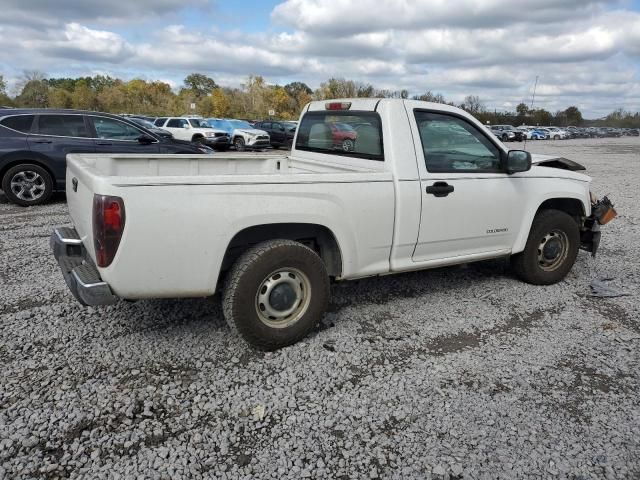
(280, 133)
(34, 144)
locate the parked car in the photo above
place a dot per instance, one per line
(243, 135)
(161, 132)
(271, 231)
(34, 144)
(556, 133)
(344, 136)
(195, 130)
(280, 133)
(507, 133)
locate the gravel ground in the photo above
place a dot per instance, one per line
(452, 373)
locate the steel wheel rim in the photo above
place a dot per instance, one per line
(293, 282)
(28, 185)
(553, 250)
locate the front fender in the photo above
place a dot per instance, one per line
(565, 190)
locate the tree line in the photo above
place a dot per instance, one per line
(254, 99)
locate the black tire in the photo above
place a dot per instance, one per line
(347, 145)
(552, 230)
(250, 276)
(238, 142)
(36, 188)
(505, 138)
(198, 139)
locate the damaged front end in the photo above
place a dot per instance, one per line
(602, 212)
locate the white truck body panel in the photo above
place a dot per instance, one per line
(183, 211)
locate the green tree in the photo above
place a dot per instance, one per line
(35, 90)
(573, 115)
(59, 98)
(83, 97)
(522, 110)
(3, 85)
(200, 84)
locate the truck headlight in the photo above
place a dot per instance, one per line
(210, 134)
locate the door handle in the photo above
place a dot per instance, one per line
(440, 189)
(42, 141)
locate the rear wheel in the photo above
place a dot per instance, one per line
(347, 145)
(505, 138)
(275, 293)
(551, 249)
(27, 185)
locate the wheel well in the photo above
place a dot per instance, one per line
(196, 136)
(317, 237)
(570, 206)
(13, 163)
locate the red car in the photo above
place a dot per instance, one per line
(343, 135)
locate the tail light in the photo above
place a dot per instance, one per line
(337, 106)
(108, 225)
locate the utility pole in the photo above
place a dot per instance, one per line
(533, 98)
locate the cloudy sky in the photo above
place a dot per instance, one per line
(585, 52)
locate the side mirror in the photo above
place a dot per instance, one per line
(186, 126)
(145, 139)
(518, 161)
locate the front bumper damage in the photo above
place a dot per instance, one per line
(602, 212)
(79, 271)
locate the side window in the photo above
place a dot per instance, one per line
(265, 125)
(174, 123)
(347, 133)
(451, 144)
(20, 123)
(277, 127)
(111, 129)
(159, 122)
(62, 125)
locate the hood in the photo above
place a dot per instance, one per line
(556, 162)
(562, 167)
(252, 131)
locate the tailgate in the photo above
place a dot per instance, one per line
(80, 190)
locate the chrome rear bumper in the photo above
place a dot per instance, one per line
(78, 270)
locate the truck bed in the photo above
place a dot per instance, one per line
(141, 169)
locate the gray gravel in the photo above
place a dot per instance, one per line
(452, 373)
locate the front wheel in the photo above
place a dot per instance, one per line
(238, 142)
(27, 185)
(551, 249)
(275, 293)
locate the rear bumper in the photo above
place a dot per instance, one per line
(79, 271)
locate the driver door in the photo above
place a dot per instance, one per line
(470, 207)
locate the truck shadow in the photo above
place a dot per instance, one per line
(381, 290)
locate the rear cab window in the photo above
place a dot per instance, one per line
(19, 123)
(345, 133)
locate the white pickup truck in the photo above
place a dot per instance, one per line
(425, 185)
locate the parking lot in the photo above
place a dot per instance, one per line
(460, 372)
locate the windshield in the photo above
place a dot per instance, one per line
(143, 123)
(221, 124)
(198, 123)
(240, 124)
(290, 125)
